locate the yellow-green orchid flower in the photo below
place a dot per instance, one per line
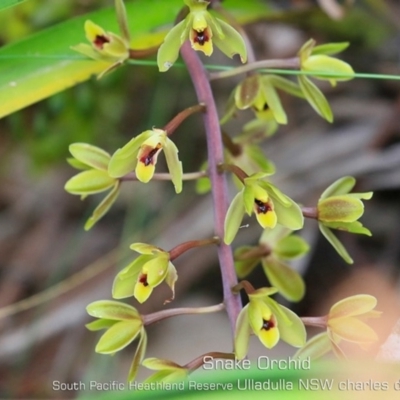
(149, 270)
(202, 29)
(269, 204)
(269, 321)
(141, 154)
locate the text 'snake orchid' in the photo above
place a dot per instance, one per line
(202, 29)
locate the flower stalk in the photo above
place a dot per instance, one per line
(164, 314)
(178, 119)
(184, 247)
(218, 181)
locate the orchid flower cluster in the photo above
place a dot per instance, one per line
(258, 196)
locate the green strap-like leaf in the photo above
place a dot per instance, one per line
(9, 3)
(43, 64)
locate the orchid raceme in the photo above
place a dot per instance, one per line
(146, 272)
(203, 30)
(269, 204)
(124, 324)
(167, 371)
(94, 178)
(269, 321)
(275, 248)
(141, 154)
(345, 323)
(339, 209)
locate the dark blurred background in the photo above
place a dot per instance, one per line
(50, 269)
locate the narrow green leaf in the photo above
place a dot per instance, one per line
(118, 336)
(315, 97)
(114, 310)
(336, 244)
(90, 155)
(103, 207)
(89, 182)
(339, 187)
